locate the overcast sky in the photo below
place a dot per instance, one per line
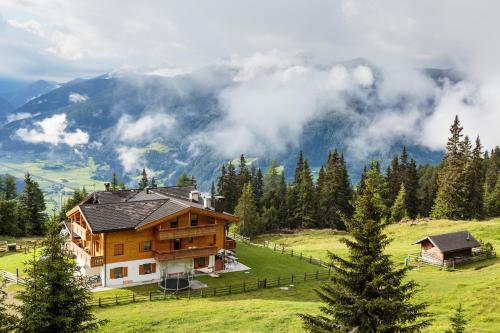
(61, 40)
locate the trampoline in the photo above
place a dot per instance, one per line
(174, 283)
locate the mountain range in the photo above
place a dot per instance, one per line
(126, 121)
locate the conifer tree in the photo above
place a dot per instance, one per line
(243, 173)
(7, 320)
(492, 200)
(305, 213)
(185, 180)
(451, 196)
(247, 212)
(231, 193)
(143, 183)
(114, 182)
(122, 186)
(475, 183)
(9, 220)
(492, 169)
(271, 181)
(319, 200)
(458, 322)
(258, 187)
(398, 209)
(56, 297)
(153, 183)
(411, 188)
(9, 191)
(285, 211)
(393, 179)
(221, 181)
(31, 208)
(367, 293)
(212, 193)
(427, 188)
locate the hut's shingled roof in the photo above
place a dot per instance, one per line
(452, 241)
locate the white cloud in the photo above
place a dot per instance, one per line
(144, 128)
(18, 116)
(52, 130)
(363, 75)
(131, 158)
(77, 98)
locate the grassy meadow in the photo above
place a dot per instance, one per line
(476, 286)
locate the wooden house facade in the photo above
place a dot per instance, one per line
(138, 236)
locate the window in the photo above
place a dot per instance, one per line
(190, 239)
(118, 250)
(177, 244)
(147, 246)
(118, 272)
(173, 224)
(201, 262)
(194, 219)
(147, 269)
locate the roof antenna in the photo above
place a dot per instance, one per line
(468, 236)
(95, 197)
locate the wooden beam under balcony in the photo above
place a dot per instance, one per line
(202, 230)
(187, 253)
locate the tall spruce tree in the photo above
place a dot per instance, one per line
(492, 200)
(8, 187)
(221, 181)
(56, 297)
(9, 219)
(398, 209)
(427, 188)
(7, 319)
(304, 211)
(143, 183)
(270, 189)
(114, 182)
(458, 321)
(258, 187)
(232, 189)
(31, 208)
(153, 183)
(247, 212)
(243, 173)
(475, 183)
(367, 292)
(452, 194)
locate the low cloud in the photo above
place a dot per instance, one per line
(144, 128)
(52, 130)
(18, 116)
(131, 158)
(77, 98)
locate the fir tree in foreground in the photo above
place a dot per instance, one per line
(31, 207)
(458, 321)
(56, 295)
(367, 292)
(7, 320)
(398, 210)
(143, 183)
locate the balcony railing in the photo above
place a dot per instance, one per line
(90, 261)
(202, 230)
(79, 230)
(186, 253)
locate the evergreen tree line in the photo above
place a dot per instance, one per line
(21, 214)
(464, 186)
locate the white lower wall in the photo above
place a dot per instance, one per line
(133, 272)
(177, 266)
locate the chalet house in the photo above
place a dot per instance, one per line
(447, 249)
(134, 236)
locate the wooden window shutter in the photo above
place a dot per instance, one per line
(153, 268)
(112, 273)
(141, 269)
(125, 271)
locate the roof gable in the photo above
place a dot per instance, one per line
(452, 241)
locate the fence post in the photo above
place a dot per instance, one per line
(17, 275)
(201, 292)
(99, 302)
(150, 296)
(116, 299)
(265, 283)
(133, 297)
(215, 291)
(244, 286)
(291, 252)
(282, 249)
(317, 273)
(329, 268)
(274, 246)
(292, 278)
(305, 276)
(320, 263)
(279, 281)
(229, 289)
(310, 259)
(300, 255)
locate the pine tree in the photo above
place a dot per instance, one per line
(411, 186)
(9, 187)
(143, 183)
(427, 188)
(304, 212)
(247, 212)
(9, 220)
(56, 297)
(398, 210)
(231, 193)
(153, 183)
(458, 322)
(492, 200)
(367, 293)
(319, 200)
(492, 169)
(122, 186)
(7, 320)
(77, 197)
(221, 181)
(114, 182)
(31, 208)
(451, 197)
(258, 187)
(270, 189)
(243, 174)
(393, 179)
(185, 180)
(212, 193)
(475, 183)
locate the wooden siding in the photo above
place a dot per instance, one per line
(186, 253)
(183, 232)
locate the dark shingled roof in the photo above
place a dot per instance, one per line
(107, 211)
(452, 241)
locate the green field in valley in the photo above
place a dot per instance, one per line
(475, 285)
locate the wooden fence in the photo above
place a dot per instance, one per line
(281, 248)
(230, 289)
(11, 277)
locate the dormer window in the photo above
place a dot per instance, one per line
(174, 223)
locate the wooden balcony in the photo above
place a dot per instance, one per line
(90, 261)
(79, 230)
(202, 230)
(187, 253)
(230, 244)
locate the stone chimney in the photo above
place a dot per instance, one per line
(107, 186)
